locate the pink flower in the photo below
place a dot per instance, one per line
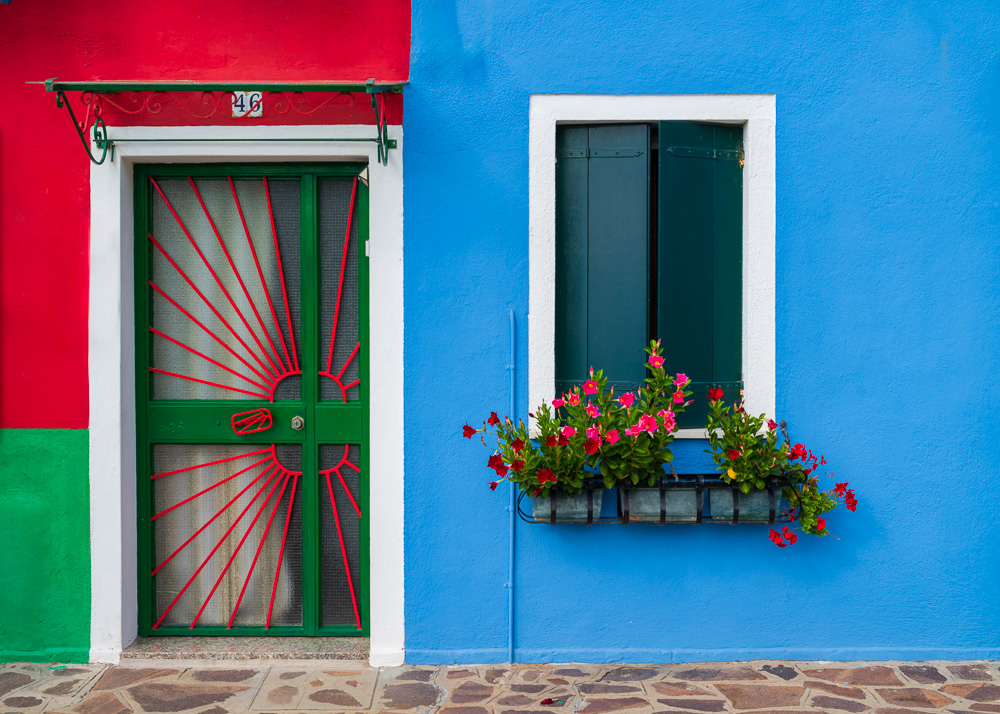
(633, 430)
(681, 379)
(666, 414)
(612, 436)
(590, 387)
(678, 397)
(772, 424)
(568, 431)
(647, 423)
(592, 410)
(573, 399)
(656, 361)
(593, 433)
(626, 399)
(557, 402)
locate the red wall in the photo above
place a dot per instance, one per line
(44, 173)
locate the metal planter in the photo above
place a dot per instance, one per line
(582, 507)
(656, 505)
(755, 507)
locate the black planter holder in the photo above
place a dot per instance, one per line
(700, 482)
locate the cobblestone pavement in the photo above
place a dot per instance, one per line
(339, 686)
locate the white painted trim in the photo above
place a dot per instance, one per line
(757, 113)
(112, 403)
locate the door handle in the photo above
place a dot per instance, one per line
(252, 421)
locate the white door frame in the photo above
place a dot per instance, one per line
(113, 546)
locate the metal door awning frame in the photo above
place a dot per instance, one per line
(147, 95)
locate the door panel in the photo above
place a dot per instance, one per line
(223, 551)
(224, 278)
(251, 303)
(338, 286)
(340, 466)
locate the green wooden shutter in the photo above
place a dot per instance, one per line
(602, 253)
(700, 257)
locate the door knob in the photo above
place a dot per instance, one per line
(298, 423)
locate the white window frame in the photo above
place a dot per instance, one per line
(111, 354)
(756, 112)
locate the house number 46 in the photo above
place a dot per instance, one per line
(248, 104)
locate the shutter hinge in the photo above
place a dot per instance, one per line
(714, 154)
(368, 252)
(599, 154)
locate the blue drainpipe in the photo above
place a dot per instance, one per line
(512, 369)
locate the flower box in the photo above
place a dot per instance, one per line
(589, 439)
(657, 505)
(582, 507)
(756, 507)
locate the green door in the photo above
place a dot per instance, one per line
(251, 302)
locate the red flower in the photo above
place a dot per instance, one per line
(592, 446)
(563, 440)
(493, 485)
(493, 420)
(714, 395)
(733, 454)
(821, 524)
(840, 489)
(551, 441)
(468, 431)
(496, 463)
(775, 537)
(789, 536)
(517, 465)
(850, 501)
(798, 452)
(772, 424)
(517, 444)
(545, 475)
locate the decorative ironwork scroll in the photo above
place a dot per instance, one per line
(212, 102)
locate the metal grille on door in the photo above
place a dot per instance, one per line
(251, 314)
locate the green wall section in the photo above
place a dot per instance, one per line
(44, 545)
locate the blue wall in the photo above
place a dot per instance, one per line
(888, 337)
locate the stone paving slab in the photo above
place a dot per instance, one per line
(329, 686)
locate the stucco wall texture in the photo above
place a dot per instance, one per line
(45, 532)
(888, 258)
(44, 245)
(44, 173)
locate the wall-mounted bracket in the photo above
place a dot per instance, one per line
(214, 100)
(101, 140)
(378, 104)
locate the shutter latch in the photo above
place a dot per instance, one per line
(714, 154)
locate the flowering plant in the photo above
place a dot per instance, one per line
(746, 452)
(621, 437)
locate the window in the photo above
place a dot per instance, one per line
(649, 245)
(600, 166)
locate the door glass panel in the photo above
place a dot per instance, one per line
(340, 484)
(225, 288)
(338, 290)
(227, 529)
